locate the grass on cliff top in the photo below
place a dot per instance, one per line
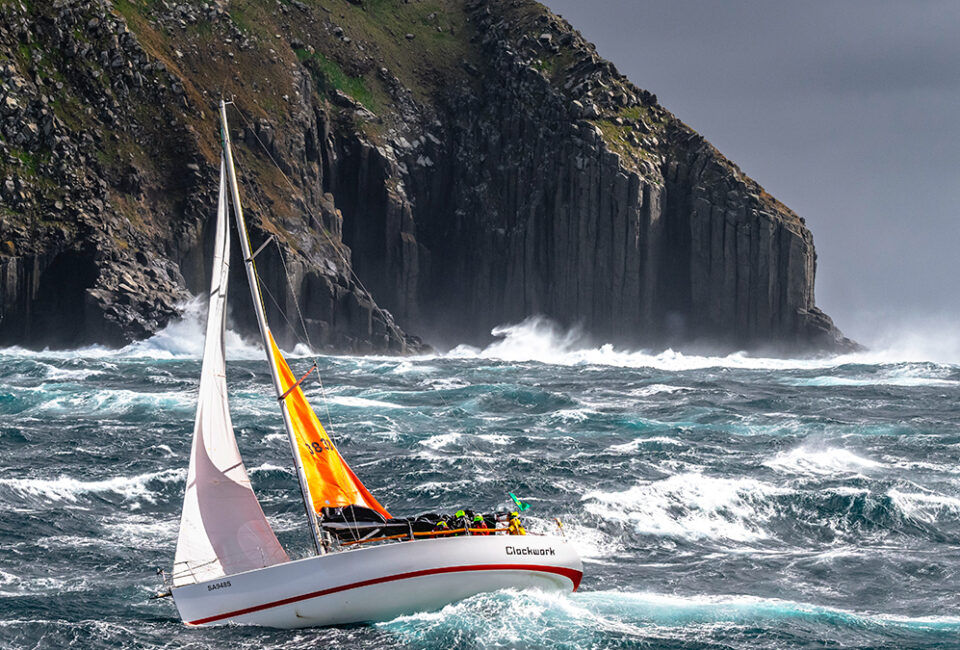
(425, 63)
(329, 76)
(260, 77)
(616, 137)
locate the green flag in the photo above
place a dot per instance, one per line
(521, 506)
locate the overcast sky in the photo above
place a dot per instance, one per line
(848, 111)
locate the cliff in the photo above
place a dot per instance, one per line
(468, 163)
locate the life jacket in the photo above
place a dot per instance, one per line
(478, 525)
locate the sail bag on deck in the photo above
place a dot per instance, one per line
(332, 483)
(223, 529)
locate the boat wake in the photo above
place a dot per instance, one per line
(536, 619)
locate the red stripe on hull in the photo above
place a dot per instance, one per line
(572, 574)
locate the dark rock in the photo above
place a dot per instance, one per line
(499, 185)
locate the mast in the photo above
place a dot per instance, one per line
(254, 283)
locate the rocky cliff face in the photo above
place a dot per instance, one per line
(467, 163)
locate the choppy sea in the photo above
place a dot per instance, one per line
(718, 502)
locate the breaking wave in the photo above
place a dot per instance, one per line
(691, 506)
(535, 619)
(724, 501)
(538, 339)
(828, 461)
(72, 490)
(182, 338)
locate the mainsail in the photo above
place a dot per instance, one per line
(332, 483)
(222, 529)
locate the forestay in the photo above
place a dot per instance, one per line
(223, 529)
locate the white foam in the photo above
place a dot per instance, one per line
(657, 389)
(180, 339)
(270, 467)
(361, 402)
(539, 339)
(442, 440)
(143, 532)
(166, 450)
(634, 445)
(573, 415)
(547, 619)
(66, 488)
(925, 507)
(684, 610)
(827, 461)
(12, 585)
(591, 543)
(449, 383)
(106, 402)
(691, 506)
(55, 372)
(495, 438)
(893, 380)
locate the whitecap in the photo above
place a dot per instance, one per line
(828, 461)
(66, 488)
(591, 543)
(495, 438)
(572, 415)
(55, 372)
(684, 610)
(550, 619)
(143, 532)
(905, 381)
(106, 402)
(538, 339)
(269, 467)
(691, 506)
(182, 338)
(634, 445)
(441, 440)
(657, 389)
(925, 507)
(361, 402)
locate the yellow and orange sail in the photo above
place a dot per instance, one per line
(332, 483)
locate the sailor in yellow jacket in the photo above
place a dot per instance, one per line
(515, 527)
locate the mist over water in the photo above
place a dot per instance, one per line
(727, 501)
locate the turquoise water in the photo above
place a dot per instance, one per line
(717, 502)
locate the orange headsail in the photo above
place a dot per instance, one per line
(332, 483)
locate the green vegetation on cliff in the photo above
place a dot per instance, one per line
(471, 162)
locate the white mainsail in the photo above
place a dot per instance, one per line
(222, 529)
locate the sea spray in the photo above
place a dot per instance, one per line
(723, 501)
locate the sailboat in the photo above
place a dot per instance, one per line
(365, 566)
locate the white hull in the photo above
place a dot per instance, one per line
(379, 583)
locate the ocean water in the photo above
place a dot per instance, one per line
(718, 502)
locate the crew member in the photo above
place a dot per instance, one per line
(479, 524)
(462, 521)
(441, 526)
(515, 527)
